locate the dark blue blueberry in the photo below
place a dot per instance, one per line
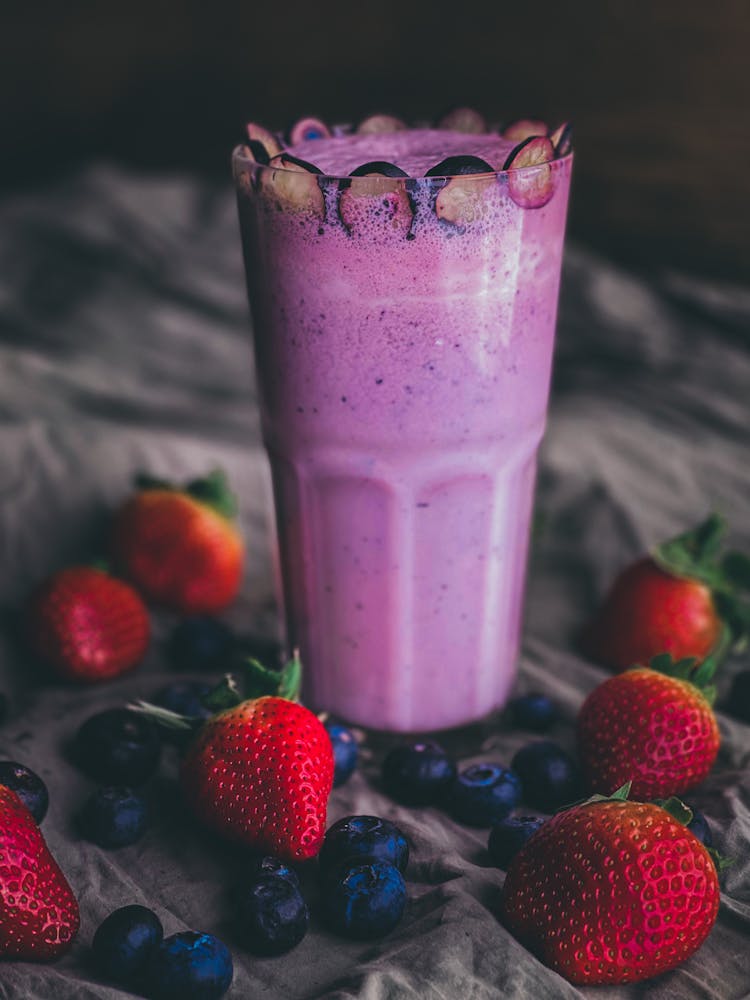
(189, 966)
(549, 776)
(363, 838)
(458, 166)
(266, 865)
(483, 794)
(184, 698)
(114, 817)
(508, 837)
(364, 901)
(699, 826)
(272, 916)
(533, 711)
(27, 785)
(345, 752)
(201, 644)
(418, 774)
(125, 941)
(738, 702)
(118, 747)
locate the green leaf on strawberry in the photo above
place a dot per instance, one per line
(252, 680)
(212, 490)
(696, 555)
(676, 809)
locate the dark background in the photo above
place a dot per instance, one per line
(658, 92)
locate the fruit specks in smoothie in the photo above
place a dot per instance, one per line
(378, 381)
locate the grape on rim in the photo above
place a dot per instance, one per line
(376, 192)
(268, 140)
(292, 185)
(459, 201)
(530, 180)
(525, 128)
(308, 128)
(376, 124)
(467, 120)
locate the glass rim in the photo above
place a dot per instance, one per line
(239, 157)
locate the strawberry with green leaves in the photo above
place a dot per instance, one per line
(612, 891)
(38, 912)
(684, 599)
(181, 546)
(652, 725)
(259, 772)
(87, 625)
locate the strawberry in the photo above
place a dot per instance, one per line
(180, 547)
(38, 911)
(654, 724)
(87, 625)
(260, 771)
(682, 599)
(612, 891)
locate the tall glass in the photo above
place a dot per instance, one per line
(403, 336)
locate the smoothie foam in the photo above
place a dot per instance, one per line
(403, 379)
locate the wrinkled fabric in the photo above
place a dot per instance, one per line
(125, 346)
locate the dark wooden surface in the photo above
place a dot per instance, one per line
(658, 91)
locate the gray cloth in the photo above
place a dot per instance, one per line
(125, 345)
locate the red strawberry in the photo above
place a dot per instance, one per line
(87, 625)
(180, 547)
(681, 600)
(652, 725)
(260, 772)
(612, 891)
(38, 911)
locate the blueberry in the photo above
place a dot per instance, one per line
(265, 866)
(345, 752)
(113, 817)
(189, 966)
(508, 837)
(27, 785)
(272, 916)
(366, 838)
(184, 697)
(738, 702)
(699, 826)
(483, 794)
(308, 128)
(459, 166)
(125, 941)
(548, 775)
(118, 747)
(364, 901)
(418, 774)
(533, 711)
(201, 644)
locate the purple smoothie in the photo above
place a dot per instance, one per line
(403, 335)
